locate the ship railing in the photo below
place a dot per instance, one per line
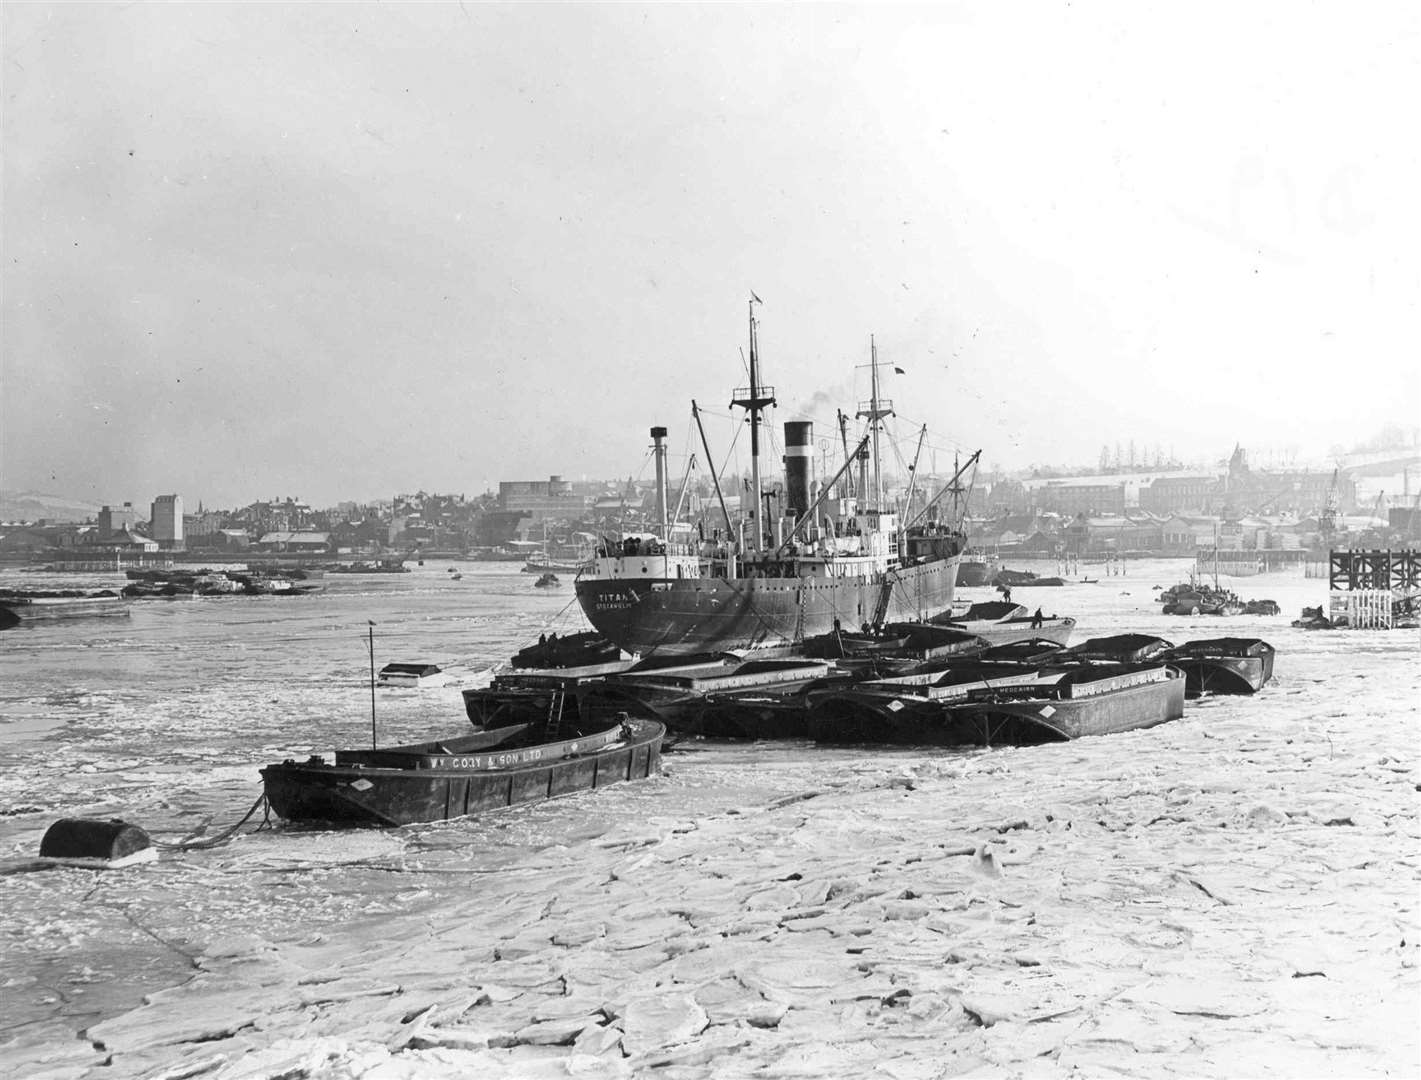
(644, 549)
(742, 396)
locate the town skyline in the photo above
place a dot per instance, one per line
(1400, 446)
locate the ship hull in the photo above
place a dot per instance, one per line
(705, 614)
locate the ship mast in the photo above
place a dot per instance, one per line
(874, 412)
(753, 400)
(877, 461)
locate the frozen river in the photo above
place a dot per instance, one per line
(1232, 894)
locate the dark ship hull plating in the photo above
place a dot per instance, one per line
(709, 614)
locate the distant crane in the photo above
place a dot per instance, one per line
(1266, 503)
(1327, 519)
(1377, 528)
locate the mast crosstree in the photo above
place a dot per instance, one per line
(754, 399)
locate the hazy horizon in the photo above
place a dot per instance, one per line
(336, 250)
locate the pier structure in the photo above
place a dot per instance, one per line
(88, 561)
(1247, 562)
(1374, 590)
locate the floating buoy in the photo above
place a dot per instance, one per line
(110, 844)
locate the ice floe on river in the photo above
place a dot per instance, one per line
(1232, 894)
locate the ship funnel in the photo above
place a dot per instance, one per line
(658, 448)
(799, 466)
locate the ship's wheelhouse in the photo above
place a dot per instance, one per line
(646, 556)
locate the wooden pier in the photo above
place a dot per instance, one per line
(1238, 563)
(1374, 590)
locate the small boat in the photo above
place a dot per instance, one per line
(573, 650)
(414, 674)
(1121, 648)
(456, 577)
(1313, 618)
(1026, 651)
(675, 695)
(776, 711)
(532, 695)
(1197, 599)
(906, 709)
(1012, 578)
(1089, 699)
(159, 590)
(1225, 665)
(897, 648)
(290, 571)
(470, 774)
(975, 569)
(553, 567)
(1001, 622)
(546, 581)
(26, 605)
(1010, 704)
(565, 558)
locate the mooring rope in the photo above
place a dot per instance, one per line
(222, 837)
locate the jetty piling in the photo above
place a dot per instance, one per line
(1373, 590)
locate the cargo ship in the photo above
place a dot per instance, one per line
(814, 559)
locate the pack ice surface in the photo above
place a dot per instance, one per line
(1231, 894)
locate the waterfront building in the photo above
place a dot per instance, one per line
(235, 539)
(552, 500)
(264, 517)
(116, 520)
(1096, 534)
(1074, 497)
(1185, 534)
(166, 522)
(1180, 494)
(201, 527)
(126, 541)
(295, 541)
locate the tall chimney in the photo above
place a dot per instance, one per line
(658, 434)
(799, 466)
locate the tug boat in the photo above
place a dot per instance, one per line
(822, 558)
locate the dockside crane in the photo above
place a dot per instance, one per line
(1327, 518)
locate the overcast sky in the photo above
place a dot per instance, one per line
(339, 251)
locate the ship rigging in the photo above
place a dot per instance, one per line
(798, 562)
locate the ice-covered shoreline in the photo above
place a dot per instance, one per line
(1232, 894)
